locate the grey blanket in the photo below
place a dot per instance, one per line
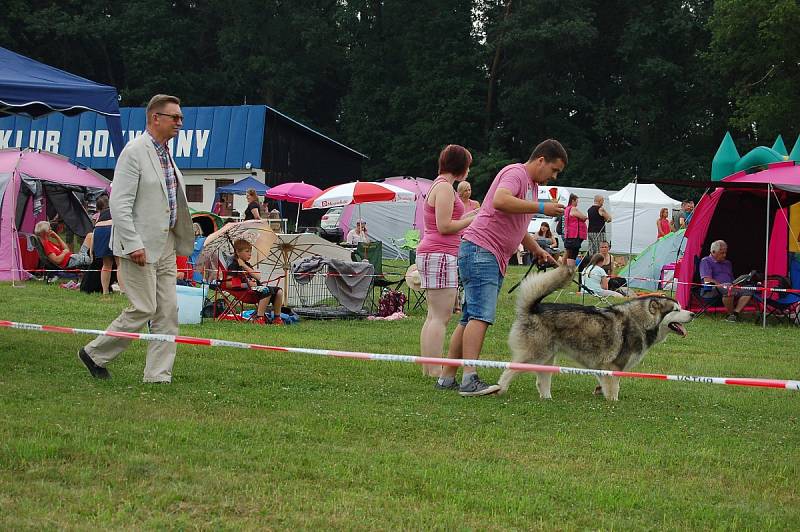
(349, 282)
(305, 270)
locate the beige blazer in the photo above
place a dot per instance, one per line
(139, 205)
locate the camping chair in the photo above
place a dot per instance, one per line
(52, 270)
(233, 296)
(782, 305)
(410, 241)
(701, 299)
(372, 252)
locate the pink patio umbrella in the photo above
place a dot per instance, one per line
(293, 193)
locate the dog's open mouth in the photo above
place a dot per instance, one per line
(677, 328)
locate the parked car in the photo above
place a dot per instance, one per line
(330, 220)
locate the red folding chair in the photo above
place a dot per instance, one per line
(234, 295)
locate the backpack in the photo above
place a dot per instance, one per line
(391, 301)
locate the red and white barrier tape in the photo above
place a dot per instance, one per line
(331, 274)
(734, 381)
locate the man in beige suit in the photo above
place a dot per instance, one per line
(151, 223)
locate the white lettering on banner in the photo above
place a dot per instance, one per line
(100, 143)
(184, 143)
(5, 139)
(36, 140)
(201, 136)
(84, 144)
(52, 139)
(41, 140)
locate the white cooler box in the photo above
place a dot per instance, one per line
(190, 303)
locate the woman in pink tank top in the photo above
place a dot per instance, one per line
(437, 253)
(574, 230)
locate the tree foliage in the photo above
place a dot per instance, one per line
(630, 87)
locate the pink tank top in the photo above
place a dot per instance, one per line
(574, 228)
(432, 240)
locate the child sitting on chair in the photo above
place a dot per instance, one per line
(250, 277)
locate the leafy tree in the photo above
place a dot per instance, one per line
(286, 54)
(755, 50)
(414, 84)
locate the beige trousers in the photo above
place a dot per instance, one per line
(151, 293)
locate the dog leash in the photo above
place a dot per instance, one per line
(522, 279)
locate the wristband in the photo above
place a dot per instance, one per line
(541, 207)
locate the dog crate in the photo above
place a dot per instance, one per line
(314, 300)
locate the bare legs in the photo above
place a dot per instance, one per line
(740, 304)
(105, 274)
(431, 337)
(466, 343)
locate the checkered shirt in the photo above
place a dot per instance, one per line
(169, 177)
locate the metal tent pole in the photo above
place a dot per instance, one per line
(766, 259)
(633, 223)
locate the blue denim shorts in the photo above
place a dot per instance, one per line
(481, 278)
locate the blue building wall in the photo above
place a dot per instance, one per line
(212, 137)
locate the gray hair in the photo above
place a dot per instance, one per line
(42, 227)
(717, 244)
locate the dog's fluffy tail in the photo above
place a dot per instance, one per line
(536, 287)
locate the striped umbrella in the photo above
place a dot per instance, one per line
(356, 193)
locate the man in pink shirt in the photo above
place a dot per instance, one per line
(487, 245)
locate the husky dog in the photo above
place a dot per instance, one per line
(614, 338)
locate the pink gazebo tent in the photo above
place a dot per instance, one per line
(30, 181)
(753, 219)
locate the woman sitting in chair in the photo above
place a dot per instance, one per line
(595, 279)
(546, 240)
(58, 252)
(240, 268)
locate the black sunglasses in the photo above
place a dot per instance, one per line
(175, 118)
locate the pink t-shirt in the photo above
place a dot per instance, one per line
(500, 232)
(432, 240)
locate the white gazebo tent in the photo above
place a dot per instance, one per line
(635, 209)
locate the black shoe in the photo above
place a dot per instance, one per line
(96, 371)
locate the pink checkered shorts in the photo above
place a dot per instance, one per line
(438, 270)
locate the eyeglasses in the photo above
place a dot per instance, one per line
(175, 118)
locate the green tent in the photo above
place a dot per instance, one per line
(648, 263)
(209, 222)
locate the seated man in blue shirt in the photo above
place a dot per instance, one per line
(716, 273)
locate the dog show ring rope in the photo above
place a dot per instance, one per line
(793, 385)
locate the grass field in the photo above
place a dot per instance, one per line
(246, 439)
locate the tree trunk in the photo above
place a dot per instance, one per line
(493, 71)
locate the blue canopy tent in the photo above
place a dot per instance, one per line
(34, 89)
(241, 187)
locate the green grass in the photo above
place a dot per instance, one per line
(247, 439)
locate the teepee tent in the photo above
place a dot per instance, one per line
(635, 209)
